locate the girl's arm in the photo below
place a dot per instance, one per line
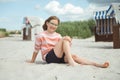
(67, 38)
(36, 49)
(33, 57)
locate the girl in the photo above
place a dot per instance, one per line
(56, 49)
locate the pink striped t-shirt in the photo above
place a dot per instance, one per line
(46, 41)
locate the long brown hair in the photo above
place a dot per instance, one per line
(48, 20)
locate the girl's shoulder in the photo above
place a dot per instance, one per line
(58, 34)
(44, 34)
(41, 34)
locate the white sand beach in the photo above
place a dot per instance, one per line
(14, 52)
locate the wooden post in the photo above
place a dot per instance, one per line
(116, 36)
(24, 34)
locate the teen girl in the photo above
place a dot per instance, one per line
(55, 48)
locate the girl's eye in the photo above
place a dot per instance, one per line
(53, 24)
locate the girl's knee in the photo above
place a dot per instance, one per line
(74, 56)
(66, 42)
(67, 38)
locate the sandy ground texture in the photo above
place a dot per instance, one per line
(14, 52)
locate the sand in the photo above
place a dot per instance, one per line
(14, 52)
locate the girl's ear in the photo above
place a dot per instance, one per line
(47, 23)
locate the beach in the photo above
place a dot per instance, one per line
(14, 52)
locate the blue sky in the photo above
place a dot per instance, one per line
(12, 12)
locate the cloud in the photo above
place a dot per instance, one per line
(99, 5)
(55, 7)
(72, 12)
(103, 2)
(66, 12)
(37, 6)
(92, 8)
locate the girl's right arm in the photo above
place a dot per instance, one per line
(33, 57)
(36, 49)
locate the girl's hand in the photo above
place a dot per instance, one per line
(67, 38)
(29, 61)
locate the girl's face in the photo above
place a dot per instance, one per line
(52, 26)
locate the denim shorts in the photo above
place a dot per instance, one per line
(52, 58)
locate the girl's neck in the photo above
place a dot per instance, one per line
(49, 32)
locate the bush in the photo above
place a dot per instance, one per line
(91, 24)
(2, 29)
(3, 34)
(79, 29)
(15, 32)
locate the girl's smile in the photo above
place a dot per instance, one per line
(52, 26)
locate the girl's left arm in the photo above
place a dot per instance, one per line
(67, 38)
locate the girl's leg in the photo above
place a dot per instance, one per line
(88, 62)
(63, 46)
(66, 49)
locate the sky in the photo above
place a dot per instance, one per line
(12, 12)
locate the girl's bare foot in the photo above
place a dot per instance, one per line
(73, 64)
(105, 65)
